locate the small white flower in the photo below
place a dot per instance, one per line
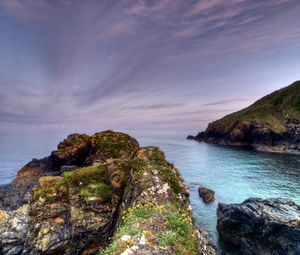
(125, 238)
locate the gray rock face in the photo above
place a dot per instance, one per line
(14, 228)
(257, 226)
(14, 196)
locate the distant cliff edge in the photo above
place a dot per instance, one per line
(270, 124)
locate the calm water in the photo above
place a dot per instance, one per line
(234, 174)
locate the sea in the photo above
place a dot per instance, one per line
(235, 174)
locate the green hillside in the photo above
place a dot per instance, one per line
(269, 111)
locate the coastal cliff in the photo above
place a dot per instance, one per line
(270, 124)
(99, 194)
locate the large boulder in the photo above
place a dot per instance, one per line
(75, 213)
(206, 194)
(257, 226)
(72, 151)
(108, 145)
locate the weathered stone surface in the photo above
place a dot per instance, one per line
(79, 210)
(156, 214)
(72, 151)
(108, 144)
(257, 226)
(14, 228)
(14, 196)
(206, 194)
(32, 171)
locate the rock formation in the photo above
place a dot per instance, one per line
(207, 195)
(271, 123)
(99, 194)
(257, 226)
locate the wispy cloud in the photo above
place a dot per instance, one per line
(81, 63)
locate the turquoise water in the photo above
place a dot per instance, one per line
(233, 173)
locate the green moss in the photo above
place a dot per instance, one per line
(114, 249)
(84, 176)
(139, 211)
(167, 238)
(91, 180)
(175, 228)
(100, 190)
(165, 169)
(113, 143)
(45, 192)
(138, 166)
(177, 224)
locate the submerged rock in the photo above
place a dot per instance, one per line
(206, 194)
(257, 226)
(113, 198)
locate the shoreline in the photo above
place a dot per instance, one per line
(254, 147)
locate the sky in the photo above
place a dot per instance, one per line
(150, 65)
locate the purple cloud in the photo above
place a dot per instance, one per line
(126, 63)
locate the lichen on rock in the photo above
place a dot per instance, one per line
(156, 215)
(113, 198)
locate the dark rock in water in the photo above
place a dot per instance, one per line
(257, 226)
(207, 195)
(190, 137)
(96, 189)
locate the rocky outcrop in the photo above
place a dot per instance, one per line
(257, 226)
(13, 230)
(271, 124)
(113, 198)
(251, 134)
(156, 214)
(72, 151)
(206, 194)
(77, 150)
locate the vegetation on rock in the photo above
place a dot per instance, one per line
(269, 111)
(274, 120)
(157, 216)
(116, 184)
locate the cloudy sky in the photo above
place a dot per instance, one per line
(141, 65)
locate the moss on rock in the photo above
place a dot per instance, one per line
(111, 144)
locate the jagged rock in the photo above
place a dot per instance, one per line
(14, 196)
(206, 194)
(72, 151)
(14, 228)
(257, 226)
(156, 213)
(109, 144)
(78, 211)
(32, 171)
